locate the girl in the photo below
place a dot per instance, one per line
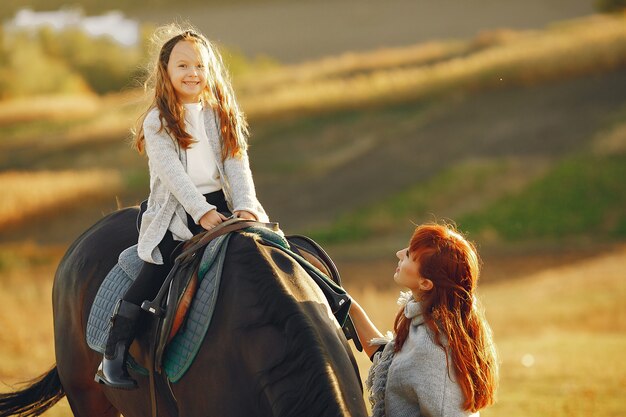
(442, 360)
(195, 137)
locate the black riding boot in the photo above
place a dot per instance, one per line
(112, 371)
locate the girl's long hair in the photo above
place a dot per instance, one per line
(451, 311)
(219, 94)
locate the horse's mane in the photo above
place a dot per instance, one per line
(288, 303)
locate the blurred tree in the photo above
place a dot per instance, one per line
(25, 69)
(105, 64)
(610, 5)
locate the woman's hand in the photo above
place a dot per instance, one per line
(211, 219)
(246, 215)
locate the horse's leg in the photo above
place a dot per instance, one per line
(76, 365)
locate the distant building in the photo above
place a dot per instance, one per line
(112, 24)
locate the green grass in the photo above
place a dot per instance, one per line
(583, 195)
(445, 195)
(580, 196)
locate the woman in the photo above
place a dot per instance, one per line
(442, 360)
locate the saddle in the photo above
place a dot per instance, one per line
(175, 296)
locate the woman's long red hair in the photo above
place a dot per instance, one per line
(219, 94)
(450, 310)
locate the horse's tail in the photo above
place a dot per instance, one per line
(40, 394)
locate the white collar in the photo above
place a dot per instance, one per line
(412, 308)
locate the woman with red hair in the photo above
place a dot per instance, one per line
(441, 360)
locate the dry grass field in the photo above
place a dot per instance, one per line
(560, 331)
(453, 117)
(492, 59)
(35, 193)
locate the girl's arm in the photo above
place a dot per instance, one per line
(366, 330)
(243, 193)
(164, 159)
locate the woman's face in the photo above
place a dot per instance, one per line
(408, 275)
(187, 71)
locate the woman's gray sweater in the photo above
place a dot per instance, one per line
(419, 382)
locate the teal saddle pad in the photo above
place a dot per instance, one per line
(182, 349)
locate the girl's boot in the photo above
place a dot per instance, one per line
(112, 371)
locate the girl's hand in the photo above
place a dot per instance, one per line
(211, 219)
(246, 215)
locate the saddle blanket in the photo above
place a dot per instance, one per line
(183, 348)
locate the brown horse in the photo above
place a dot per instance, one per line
(273, 347)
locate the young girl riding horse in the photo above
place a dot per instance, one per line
(194, 135)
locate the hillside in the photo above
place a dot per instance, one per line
(388, 149)
(311, 29)
(380, 138)
(310, 172)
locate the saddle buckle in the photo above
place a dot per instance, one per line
(153, 308)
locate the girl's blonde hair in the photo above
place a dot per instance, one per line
(450, 309)
(218, 94)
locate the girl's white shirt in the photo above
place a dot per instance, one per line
(201, 164)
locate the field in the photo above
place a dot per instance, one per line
(560, 331)
(519, 136)
(554, 329)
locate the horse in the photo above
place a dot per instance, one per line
(273, 347)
